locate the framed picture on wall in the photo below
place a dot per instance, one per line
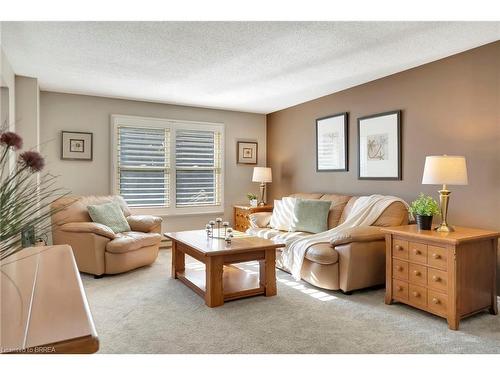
(246, 152)
(76, 146)
(332, 143)
(379, 146)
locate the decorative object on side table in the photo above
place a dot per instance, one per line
(445, 170)
(423, 209)
(76, 145)
(262, 175)
(452, 275)
(252, 199)
(246, 152)
(332, 143)
(241, 218)
(379, 146)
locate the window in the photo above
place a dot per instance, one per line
(168, 166)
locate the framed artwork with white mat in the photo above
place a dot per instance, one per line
(246, 152)
(379, 146)
(76, 145)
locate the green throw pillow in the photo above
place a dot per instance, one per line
(111, 215)
(310, 215)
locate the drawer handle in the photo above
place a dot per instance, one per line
(436, 301)
(416, 251)
(417, 273)
(400, 288)
(436, 278)
(399, 268)
(399, 247)
(416, 294)
(436, 256)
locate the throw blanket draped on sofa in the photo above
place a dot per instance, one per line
(365, 211)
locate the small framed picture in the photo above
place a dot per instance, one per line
(331, 143)
(76, 146)
(246, 152)
(379, 146)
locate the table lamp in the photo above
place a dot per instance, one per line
(445, 170)
(262, 175)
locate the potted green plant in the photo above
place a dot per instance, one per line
(423, 209)
(252, 198)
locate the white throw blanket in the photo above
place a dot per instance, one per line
(365, 211)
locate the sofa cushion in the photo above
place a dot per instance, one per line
(282, 216)
(109, 214)
(347, 209)
(322, 253)
(307, 195)
(129, 241)
(394, 215)
(71, 209)
(274, 234)
(310, 215)
(143, 223)
(336, 208)
(260, 219)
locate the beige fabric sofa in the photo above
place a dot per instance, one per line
(97, 249)
(355, 262)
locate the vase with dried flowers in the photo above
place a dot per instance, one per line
(25, 193)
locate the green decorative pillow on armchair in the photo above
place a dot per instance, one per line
(310, 215)
(111, 215)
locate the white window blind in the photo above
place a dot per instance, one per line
(143, 162)
(168, 166)
(197, 167)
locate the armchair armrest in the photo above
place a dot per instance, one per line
(358, 234)
(260, 219)
(143, 223)
(88, 227)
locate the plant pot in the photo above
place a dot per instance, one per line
(424, 222)
(253, 202)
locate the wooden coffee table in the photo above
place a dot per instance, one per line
(220, 280)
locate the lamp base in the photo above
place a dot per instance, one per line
(262, 194)
(444, 197)
(444, 228)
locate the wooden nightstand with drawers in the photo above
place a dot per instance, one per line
(242, 212)
(452, 275)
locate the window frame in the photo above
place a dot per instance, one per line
(173, 125)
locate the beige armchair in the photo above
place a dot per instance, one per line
(97, 249)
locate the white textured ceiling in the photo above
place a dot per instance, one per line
(249, 66)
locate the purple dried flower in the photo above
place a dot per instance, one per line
(11, 139)
(33, 160)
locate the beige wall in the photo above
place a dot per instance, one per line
(7, 79)
(28, 111)
(450, 106)
(87, 113)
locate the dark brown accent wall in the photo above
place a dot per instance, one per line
(450, 106)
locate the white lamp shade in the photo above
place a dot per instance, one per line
(262, 174)
(449, 170)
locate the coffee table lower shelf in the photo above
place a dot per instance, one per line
(236, 282)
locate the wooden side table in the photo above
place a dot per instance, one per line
(452, 275)
(241, 219)
(44, 306)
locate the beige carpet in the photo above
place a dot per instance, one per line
(145, 311)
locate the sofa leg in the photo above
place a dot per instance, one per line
(98, 276)
(346, 293)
